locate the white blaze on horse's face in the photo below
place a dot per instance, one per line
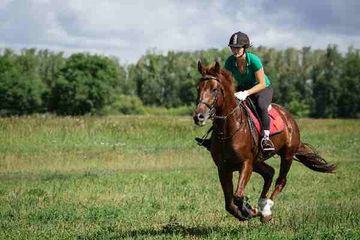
(207, 91)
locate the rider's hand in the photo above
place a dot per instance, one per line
(242, 95)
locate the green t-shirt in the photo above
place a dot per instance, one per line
(247, 80)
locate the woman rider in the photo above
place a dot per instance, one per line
(247, 70)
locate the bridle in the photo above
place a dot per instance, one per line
(214, 95)
(215, 98)
(219, 134)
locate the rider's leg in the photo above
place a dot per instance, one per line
(262, 101)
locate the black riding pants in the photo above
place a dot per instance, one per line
(262, 100)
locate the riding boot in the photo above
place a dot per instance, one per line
(204, 142)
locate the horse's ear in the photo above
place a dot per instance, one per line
(217, 67)
(201, 68)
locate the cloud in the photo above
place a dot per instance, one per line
(128, 28)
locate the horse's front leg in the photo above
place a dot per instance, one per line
(239, 198)
(225, 176)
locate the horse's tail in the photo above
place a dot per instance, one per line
(308, 156)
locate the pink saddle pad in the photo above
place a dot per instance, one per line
(276, 122)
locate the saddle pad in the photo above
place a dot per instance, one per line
(276, 122)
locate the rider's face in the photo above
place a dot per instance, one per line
(237, 51)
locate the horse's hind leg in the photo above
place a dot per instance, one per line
(267, 172)
(265, 204)
(286, 161)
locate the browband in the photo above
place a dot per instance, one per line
(209, 77)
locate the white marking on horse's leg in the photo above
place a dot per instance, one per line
(265, 205)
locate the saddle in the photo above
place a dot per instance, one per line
(277, 124)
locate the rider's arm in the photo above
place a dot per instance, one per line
(260, 77)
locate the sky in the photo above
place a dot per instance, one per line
(127, 29)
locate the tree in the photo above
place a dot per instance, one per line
(21, 88)
(326, 87)
(323, 82)
(48, 70)
(86, 84)
(349, 97)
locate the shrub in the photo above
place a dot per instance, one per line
(129, 105)
(298, 108)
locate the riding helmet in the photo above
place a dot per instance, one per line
(239, 39)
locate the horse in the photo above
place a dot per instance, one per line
(233, 147)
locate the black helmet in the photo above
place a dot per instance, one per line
(239, 39)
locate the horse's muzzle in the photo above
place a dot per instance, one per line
(200, 118)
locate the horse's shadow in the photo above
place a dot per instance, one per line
(170, 229)
(173, 227)
(178, 229)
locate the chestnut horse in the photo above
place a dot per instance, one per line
(233, 147)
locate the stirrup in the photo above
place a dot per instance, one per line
(267, 145)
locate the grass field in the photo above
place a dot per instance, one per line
(143, 177)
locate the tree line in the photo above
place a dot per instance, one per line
(308, 82)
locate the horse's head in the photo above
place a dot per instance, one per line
(210, 92)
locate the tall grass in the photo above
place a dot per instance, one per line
(144, 178)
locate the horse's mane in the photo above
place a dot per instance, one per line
(227, 80)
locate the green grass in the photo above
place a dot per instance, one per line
(144, 178)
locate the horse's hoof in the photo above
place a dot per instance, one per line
(265, 219)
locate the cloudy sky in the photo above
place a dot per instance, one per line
(128, 28)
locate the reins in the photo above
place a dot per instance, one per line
(220, 135)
